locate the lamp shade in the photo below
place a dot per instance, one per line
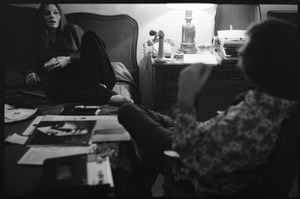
(188, 29)
(189, 6)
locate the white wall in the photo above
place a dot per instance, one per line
(158, 17)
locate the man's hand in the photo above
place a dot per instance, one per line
(191, 81)
(32, 79)
(59, 62)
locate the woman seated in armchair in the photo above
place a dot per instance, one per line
(71, 65)
(237, 140)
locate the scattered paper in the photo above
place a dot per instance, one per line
(108, 122)
(16, 139)
(69, 117)
(37, 155)
(109, 129)
(99, 172)
(12, 114)
(200, 58)
(32, 126)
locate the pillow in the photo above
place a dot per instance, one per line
(125, 84)
(121, 72)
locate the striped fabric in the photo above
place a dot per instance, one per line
(151, 130)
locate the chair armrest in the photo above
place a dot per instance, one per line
(172, 188)
(171, 158)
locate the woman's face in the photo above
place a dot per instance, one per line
(66, 128)
(51, 16)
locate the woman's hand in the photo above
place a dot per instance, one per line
(60, 62)
(50, 65)
(32, 79)
(191, 81)
(63, 61)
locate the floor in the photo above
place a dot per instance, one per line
(294, 191)
(157, 190)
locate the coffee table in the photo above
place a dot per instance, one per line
(23, 180)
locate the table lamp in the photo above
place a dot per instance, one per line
(188, 29)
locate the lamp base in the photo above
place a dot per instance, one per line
(188, 48)
(162, 60)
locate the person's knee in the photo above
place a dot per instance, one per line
(89, 34)
(125, 112)
(90, 37)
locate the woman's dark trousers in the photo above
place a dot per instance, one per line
(79, 81)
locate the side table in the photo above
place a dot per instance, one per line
(225, 82)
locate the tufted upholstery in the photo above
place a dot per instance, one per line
(119, 32)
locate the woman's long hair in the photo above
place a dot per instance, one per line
(63, 20)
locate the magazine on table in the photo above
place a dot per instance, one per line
(66, 133)
(79, 170)
(46, 140)
(106, 128)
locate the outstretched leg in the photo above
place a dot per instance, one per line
(148, 133)
(81, 81)
(150, 136)
(95, 61)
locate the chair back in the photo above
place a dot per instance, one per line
(278, 175)
(283, 165)
(240, 16)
